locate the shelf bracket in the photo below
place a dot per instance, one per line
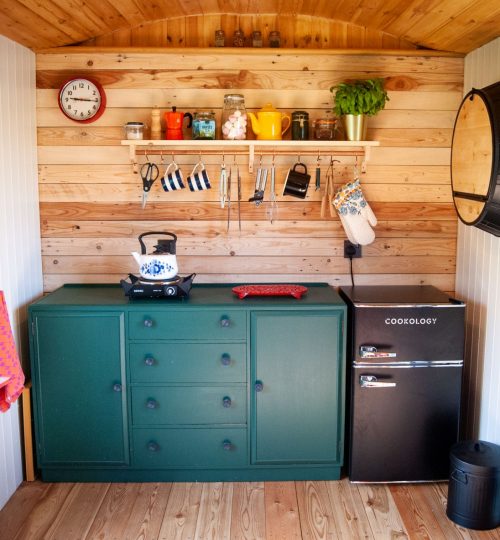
(251, 157)
(366, 158)
(133, 158)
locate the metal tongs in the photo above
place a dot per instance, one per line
(272, 209)
(260, 185)
(227, 180)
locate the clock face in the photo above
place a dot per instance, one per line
(82, 100)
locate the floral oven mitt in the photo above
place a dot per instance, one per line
(355, 213)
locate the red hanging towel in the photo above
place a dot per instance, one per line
(11, 372)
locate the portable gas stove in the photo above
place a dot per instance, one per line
(176, 287)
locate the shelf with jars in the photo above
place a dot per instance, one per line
(249, 148)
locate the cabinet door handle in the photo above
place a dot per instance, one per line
(227, 445)
(151, 403)
(370, 381)
(153, 446)
(148, 323)
(149, 361)
(225, 359)
(117, 387)
(225, 321)
(226, 402)
(259, 386)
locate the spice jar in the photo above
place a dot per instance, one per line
(324, 128)
(300, 126)
(274, 39)
(234, 117)
(220, 38)
(204, 125)
(238, 38)
(256, 38)
(134, 130)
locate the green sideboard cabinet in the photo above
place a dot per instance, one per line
(210, 388)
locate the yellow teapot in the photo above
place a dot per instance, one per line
(268, 125)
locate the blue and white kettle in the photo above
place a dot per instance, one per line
(162, 263)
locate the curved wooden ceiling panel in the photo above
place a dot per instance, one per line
(452, 25)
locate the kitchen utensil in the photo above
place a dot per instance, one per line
(223, 193)
(296, 182)
(260, 185)
(172, 179)
(268, 124)
(174, 120)
(198, 179)
(239, 195)
(149, 173)
(272, 209)
(228, 194)
(162, 263)
(318, 174)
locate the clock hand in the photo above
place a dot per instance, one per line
(83, 99)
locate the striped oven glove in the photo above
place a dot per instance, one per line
(355, 213)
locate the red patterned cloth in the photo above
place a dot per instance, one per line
(10, 367)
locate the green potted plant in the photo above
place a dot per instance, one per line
(356, 100)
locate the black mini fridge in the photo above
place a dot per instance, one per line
(405, 360)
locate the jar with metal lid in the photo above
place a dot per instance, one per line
(238, 38)
(234, 117)
(134, 130)
(324, 128)
(256, 38)
(220, 38)
(204, 125)
(300, 126)
(274, 39)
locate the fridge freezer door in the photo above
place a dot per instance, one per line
(403, 422)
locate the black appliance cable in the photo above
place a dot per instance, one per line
(350, 266)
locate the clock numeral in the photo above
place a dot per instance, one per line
(94, 93)
(81, 85)
(94, 107)
(69, 106)
(70, 93)
(74, 87)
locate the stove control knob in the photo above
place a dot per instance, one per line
(170, 291)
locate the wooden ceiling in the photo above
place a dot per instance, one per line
(447, 25)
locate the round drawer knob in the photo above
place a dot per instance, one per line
(227, 445)
(226, 402)
(148, 323)
(259, 386)
(149, 361)
(225, 359)
(117, 387)
(153, 446)
(225, 321)
(151, 404)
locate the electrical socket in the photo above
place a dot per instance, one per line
(351, 251)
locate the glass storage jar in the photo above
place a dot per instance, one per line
(204, 125)
(324, 128)
(234, 117)
(300, 126)
(134, 130)
(220, 38)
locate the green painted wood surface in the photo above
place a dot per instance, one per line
(173, 405)
(190, 448)
(187, 362)
(297, 415)
(80, 416)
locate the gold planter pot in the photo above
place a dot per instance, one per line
(355, 126)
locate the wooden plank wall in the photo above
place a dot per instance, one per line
(296, 31)
(90, 198)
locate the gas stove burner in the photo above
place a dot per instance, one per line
(177, 287)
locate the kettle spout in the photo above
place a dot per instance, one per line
(255, 123)
(136, 256)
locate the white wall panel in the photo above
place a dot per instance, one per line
(478, 283)
(20, 258)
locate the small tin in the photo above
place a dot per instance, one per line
(134, 130)
(204, 125)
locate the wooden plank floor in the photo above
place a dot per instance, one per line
(239, 511)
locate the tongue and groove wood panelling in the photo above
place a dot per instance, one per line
(90, 200)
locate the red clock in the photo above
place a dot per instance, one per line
(82, 99)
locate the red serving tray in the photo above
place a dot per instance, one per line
(270, 290)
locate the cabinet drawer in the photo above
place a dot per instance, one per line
(188, 362)
(216, 448)
(188, 325)
(188, 405)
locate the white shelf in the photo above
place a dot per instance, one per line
(250, 147)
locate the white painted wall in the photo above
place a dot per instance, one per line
(478, 283)
(20, 253)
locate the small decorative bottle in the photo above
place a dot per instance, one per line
(238, 38)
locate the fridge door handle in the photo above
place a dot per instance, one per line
(370, 381)
(369, 351)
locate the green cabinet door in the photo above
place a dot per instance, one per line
(78, 376)
(296, 390)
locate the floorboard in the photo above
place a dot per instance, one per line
(309, 510)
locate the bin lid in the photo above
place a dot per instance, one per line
(475, 456)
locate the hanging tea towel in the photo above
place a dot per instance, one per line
(11, 372)
(355, 213)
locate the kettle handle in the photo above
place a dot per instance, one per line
(190, 116)
(300, 164)
(143, 247)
